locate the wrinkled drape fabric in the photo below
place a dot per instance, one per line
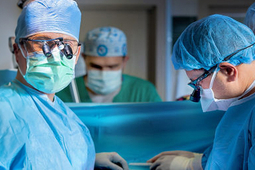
(139, 131)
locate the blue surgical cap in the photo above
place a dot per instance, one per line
(250, 17)
(105, 42)
(205, 43)
(57, 16)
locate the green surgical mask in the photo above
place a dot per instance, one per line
(49, 74)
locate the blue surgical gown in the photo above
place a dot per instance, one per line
(36, 133)
(234, 144)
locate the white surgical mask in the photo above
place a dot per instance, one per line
(104, 82)
(209, 103)
(49, 74)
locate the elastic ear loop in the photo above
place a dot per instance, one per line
(249, 89)
(24, 57)
(214, 76)
(22, 50)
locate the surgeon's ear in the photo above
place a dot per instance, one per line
(16, 52)
(15, 48)
(229, 70)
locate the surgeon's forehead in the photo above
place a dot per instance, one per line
(51, 35)
(104, 60)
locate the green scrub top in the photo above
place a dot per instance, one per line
(133, 89)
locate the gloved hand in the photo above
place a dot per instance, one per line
(110, 160)
(176, 160)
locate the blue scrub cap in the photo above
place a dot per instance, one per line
(250, 17)
(205, 43)
(105, 42)
(57, 16)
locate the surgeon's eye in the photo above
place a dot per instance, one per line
(95, 66)
(112, 67)
(28, 46)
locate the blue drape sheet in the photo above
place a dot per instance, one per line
(7, 75)
(139, 131)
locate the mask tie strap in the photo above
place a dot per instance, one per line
(214, 76)
(248, 90)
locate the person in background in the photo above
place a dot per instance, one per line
(105, 57)
(217, 54)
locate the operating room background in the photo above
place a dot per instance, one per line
(151, 26)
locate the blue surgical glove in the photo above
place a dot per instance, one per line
(110, 160)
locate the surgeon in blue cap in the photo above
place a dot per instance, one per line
(105, 54)
(218, 55)
(37, 130)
